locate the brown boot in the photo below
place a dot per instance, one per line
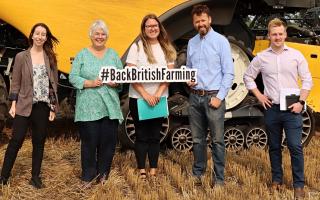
(276, 187)
(197, 181)
(299, 193)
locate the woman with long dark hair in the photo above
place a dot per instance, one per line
(152, 50)
(34, 99)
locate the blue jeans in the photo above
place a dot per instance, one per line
(276, 121)
(202, 116)
(98, 144)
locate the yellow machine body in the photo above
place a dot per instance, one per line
(69, 21)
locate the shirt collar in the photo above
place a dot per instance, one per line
(285, 48)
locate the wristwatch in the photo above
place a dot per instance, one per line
(302, 102)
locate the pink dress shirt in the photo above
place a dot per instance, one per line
(278, 71)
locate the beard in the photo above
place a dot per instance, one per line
(203, 30)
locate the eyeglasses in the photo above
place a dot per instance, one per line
(152, 26)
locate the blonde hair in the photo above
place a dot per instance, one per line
(276, 22)
(167, 48)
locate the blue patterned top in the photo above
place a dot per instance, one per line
(95, 103)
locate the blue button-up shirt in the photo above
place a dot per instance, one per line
(211, 56)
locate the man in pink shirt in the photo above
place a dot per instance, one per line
(281, 66)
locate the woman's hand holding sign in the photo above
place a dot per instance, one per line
(98, 82)
(92, 83)
(112, 84)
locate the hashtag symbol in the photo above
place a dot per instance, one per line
(104, 74)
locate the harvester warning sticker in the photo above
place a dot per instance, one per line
(147, 74)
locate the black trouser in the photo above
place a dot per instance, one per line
(147, 137)
(98, 143)
(39, 118)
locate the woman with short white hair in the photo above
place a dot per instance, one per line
(98, 110)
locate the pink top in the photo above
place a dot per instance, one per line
(278, 71)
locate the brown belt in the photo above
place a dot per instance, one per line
(204, 92)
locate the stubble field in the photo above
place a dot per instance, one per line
(247, 176)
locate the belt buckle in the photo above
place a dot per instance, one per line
(202, 93)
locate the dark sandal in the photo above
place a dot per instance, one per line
(143, 176)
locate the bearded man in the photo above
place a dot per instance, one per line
(209, 52)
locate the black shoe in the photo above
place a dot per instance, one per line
(197, 181)
(36, 182)
(3, 181)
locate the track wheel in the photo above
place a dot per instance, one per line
(181, 139)
(234, 139)
(131, 132)
(257, 137)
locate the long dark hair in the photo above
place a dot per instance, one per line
(48, 45)
(163, 38)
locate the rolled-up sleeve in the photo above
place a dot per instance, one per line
(304, 74)
(188, 62)
(16, 78)
(227, 70)
(251, 74)
(74, 77)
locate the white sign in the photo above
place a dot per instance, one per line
(147, 74)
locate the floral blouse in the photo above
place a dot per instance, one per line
(40, 84)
